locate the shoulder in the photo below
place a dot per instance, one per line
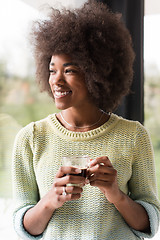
(123, 124)
(129, 124)
(27, 133)
(132, 127)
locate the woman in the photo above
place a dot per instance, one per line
(84, 60)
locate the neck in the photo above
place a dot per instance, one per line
(82, 120)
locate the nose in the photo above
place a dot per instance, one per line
(57, 78)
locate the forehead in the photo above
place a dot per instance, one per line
(60, 59)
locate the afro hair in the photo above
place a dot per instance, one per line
(97, 40)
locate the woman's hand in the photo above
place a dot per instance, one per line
(36, 218)
(64, 176)
(102, 175)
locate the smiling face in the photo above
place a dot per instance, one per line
(67, 83)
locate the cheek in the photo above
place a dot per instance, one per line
(83, 92)
(82, 84)
(84, 88)
(50, 81)
(51, 87)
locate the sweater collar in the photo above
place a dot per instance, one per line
(82, 136)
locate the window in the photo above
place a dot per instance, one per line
(152, 83)
(20, 99)
(21, 102)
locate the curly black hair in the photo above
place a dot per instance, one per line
(99, 43)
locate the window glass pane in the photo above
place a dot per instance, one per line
(20, 99)
(152, 83)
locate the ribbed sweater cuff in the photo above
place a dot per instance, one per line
(18, 224)
(154, 219)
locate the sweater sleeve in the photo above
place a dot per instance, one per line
(142, 185)
(25, 189)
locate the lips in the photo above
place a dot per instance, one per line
(60, 94)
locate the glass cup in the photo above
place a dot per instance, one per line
(80, 162)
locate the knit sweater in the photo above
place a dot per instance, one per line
(37, 156)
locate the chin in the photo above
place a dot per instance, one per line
(61, 106)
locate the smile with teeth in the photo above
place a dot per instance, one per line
(59, 94)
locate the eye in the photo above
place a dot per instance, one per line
(70, 71)
(52, 72)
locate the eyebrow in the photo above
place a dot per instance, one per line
(65, 64)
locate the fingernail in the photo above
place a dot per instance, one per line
(90, 162)
(77, 170)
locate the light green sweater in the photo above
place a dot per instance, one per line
(37, 155)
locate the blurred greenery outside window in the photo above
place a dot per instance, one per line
(21, 101)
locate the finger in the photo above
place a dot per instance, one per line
(73, 179)
(102, 177)
(75, 196)
(73, 190)
(100, 160)
(101, 169)
(69, 197)
(100, 184)
(68, 190)
(67, 170)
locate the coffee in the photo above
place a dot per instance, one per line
(83, 173)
